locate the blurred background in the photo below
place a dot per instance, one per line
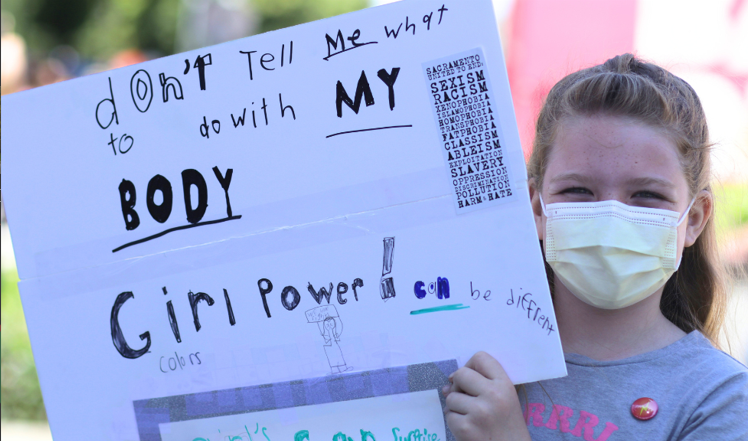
(706, 43)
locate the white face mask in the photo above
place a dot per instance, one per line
(608, 254)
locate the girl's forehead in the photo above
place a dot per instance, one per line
(613, 142)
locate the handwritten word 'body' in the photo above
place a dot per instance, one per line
(161, 212)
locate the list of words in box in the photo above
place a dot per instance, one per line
(461, 96)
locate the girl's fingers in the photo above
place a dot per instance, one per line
(487, 366)
(458, 403)
(468, 381)
(455, 421)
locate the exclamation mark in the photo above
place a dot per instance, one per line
(386, 286)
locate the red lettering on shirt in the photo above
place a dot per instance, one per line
(535, 410)
(584, 427)
(560, 413)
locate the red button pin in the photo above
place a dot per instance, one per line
(644, 409)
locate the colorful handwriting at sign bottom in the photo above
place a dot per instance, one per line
(303, 435)
(410, 416)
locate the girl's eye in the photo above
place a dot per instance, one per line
(648, 195)
(576, 190)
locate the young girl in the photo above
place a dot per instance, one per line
(619, 185)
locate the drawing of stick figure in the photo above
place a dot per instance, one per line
(330, 327)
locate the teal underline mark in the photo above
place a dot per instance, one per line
(454, 307)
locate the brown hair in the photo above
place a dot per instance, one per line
(695, 296)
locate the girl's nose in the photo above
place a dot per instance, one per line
(612, 195)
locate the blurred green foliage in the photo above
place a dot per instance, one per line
(276, 14)
(98, 29)
(20, 395)
(731, 203)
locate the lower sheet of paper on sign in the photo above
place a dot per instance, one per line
(401, 403)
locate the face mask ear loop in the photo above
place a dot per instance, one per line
(685, 214)
(542, 205)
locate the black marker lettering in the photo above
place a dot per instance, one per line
(334, 43)
(357, 282)
(362, 90)
(389, 79)
(173, 321)
(193, 177)
(283, 109)
(264, 292)
(296, 298)
(225, 181)
(166, 83)
(427, 20)
(113, 116)
(140, 91)
(249, 60)
(160, 213)
(111, 143)
(441, 13)
(407, 26)
(265, 110)
(232, 320)
(200, 65)
(323, 293)
(393, 33)
(263, 61)
(118, 337)
(127, 187)
(194, 300)
(239, 120)
(342, 289)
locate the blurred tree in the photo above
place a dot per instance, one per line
(47, 23)
(116, 25)
(61, 20)
(20, 395)
(98, 29)
(276, 14)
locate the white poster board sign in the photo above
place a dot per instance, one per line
(237, 225)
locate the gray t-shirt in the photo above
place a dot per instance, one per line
(702, 394)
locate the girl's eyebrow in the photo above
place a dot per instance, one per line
(640, 181)
(646, 181)
(570, 177)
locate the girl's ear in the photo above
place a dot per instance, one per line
(698, 216)
(537, 210)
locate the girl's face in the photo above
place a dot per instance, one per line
(602, 158)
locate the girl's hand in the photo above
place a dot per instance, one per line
(482, 404)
